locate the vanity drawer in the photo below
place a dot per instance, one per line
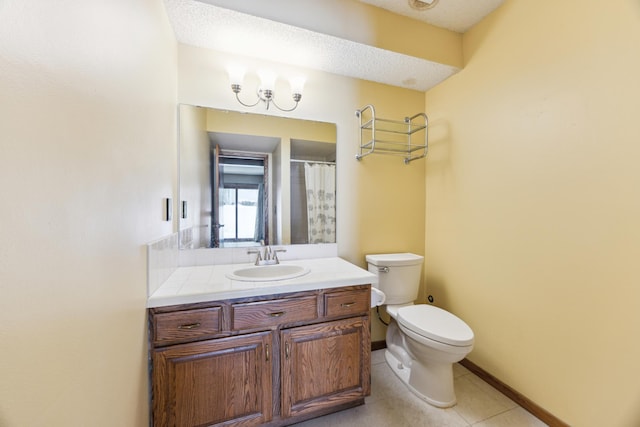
(353, 302)
(186, 325)
(271, 313)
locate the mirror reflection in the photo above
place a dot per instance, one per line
(249, 179)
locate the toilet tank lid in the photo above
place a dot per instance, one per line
(394, 259)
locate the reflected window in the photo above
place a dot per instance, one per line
(239, 210)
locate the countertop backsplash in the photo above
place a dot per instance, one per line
(162, 261)
(164, 257)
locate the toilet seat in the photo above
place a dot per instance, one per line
(436, 324)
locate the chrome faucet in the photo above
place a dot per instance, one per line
(269, 256)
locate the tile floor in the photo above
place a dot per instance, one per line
(391, 404)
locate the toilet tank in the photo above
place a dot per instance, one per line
(398, 275)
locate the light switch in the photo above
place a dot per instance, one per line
(184, 209)
(167, 209)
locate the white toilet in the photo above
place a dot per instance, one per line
(423, 341)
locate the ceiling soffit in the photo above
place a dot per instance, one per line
(204, 25)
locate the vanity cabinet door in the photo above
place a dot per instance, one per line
(325, 365)
(226, 381)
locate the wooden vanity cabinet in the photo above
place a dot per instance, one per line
(272, 360)
(324, 365)
(212, 382)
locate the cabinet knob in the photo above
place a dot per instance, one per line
(267, 352)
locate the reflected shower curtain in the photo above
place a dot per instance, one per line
(321, 202)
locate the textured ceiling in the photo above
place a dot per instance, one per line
(454, 15)
(251, 28)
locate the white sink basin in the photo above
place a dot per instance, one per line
(264, 273)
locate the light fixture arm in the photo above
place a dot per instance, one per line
(296, 98)
(236, 88)
(267, 96)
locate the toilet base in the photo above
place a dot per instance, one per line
(404, 373)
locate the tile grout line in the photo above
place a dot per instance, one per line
(493, 416)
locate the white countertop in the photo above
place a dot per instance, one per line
(210, 283)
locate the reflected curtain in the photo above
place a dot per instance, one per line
(321, 202)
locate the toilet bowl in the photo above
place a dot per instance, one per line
(433, 339)
(423, 341)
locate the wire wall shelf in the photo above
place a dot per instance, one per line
(394, 137)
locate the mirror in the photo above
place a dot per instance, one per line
(249, 179)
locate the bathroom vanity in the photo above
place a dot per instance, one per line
(262, 353)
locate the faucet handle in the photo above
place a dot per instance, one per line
(255, 251)
(275, 254)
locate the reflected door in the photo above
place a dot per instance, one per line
(215, 198)
(242, 199)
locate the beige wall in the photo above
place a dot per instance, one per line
(380, 200)
(255, 123)
(87, 115)
(400, 34)
(88, 153)
(533, 201)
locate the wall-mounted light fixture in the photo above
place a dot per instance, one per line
(265, 91)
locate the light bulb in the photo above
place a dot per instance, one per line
(236, 74)
(267, 79)
(297, 84)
